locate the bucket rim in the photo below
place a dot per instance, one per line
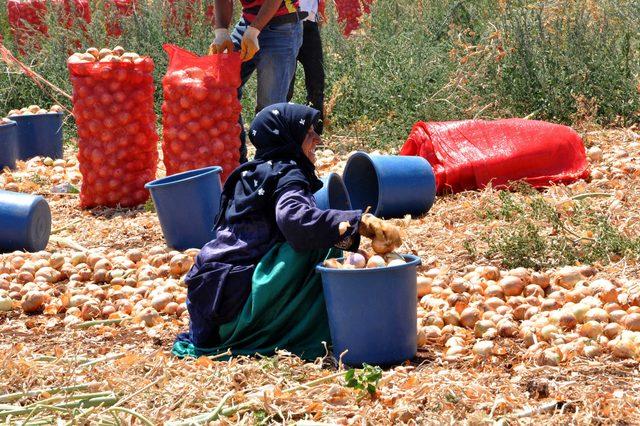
(412, 260)
(329, 176)
(9, 124)
(16, 118)
(368, 157)
(186, 176)
(335, 178)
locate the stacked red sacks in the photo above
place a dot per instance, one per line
(115, 11)
(182, 12)
(349, 13)
(27, 18)
(113, 108)
(200, 111)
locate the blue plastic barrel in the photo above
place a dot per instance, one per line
(333, 194)
(25, 222)
(187, 205)
(372, 312)
(392, 185)
(8, 145)
(39, 134)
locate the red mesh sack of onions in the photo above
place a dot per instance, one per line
(113, 108)
(200, 111)
(27, 18)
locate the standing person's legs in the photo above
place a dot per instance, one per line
(246, 70)
(303, 46)
(293, 80)
(276, 62)
(312, 61)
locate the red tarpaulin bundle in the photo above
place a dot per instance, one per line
(468, 155)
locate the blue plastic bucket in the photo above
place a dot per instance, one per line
(8, 145)
(333, 194)
(187, 205)
(39, 134)
(392, 185)
(25, 222)
(372, 312)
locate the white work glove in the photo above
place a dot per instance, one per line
(249, 45)
(221, 42)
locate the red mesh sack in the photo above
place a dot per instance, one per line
(113, 108)
(27, 17)
(468, 155)
(200, 111)
(349, 13)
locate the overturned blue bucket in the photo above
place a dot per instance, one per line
(39, 135)
(372, 312)
(187, 205)
(391, 185)
(333, 194)
(8, 145)
(25, 222)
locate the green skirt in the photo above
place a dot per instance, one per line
(285, 310)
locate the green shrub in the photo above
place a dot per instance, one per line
(557, 60)
(534, 232)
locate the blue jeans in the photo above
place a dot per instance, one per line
(275, 63)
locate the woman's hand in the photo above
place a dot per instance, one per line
(385, 237)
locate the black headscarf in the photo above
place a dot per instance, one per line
(277, 132)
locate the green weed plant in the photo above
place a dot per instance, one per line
(533, 231)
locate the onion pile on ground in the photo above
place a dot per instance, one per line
(557, 315)
(88, 286)
(40, 172)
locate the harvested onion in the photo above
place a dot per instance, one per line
(512, 286)
(357, 260)
(376, 262)
(483, 348)
(469, 317)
